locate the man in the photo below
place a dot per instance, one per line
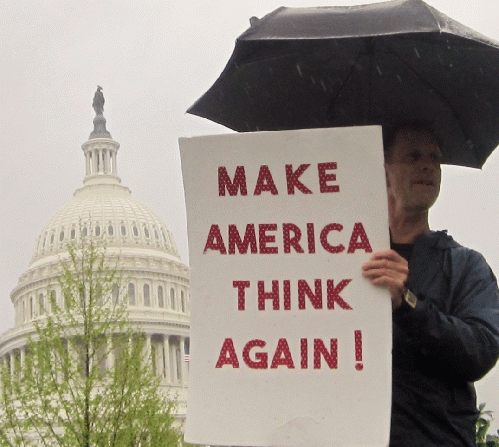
(445, 305)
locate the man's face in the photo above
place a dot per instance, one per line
(413, 170)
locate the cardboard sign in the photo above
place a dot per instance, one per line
(290, 345)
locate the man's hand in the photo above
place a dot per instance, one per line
(388, 269)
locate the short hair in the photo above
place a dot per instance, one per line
(390, 134)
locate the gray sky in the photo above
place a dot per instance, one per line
(154, 59)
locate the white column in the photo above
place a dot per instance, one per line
(148, 356)
(110, 353)
(183, 370)
(12, 362)
(87, 163)
(114, 163)
(94, 161)
(22, 356)
(173, 350)
(107, 163)
(166, 357)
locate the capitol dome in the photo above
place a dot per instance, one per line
(107, 213)
(136, 241)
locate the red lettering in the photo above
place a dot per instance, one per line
(274, 295)
(282, 355)
(227, 355)
(264, 239)
(265, 182)
(242, 245)
(224, 181)
(292, 179)
(305, 290)
(331, 356)
(311, 238)
(287, 294)
(324, 234)
(304, 353)
(241, 293)
(293, 241)
(262, 357)
(325, 177)
(359, 232)
(333, 294)
(215, 241)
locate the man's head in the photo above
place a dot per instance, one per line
(412, 164)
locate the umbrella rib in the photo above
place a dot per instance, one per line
(345, 83)
(432, 87)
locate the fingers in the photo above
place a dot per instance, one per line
(385, 263)
(390, 270)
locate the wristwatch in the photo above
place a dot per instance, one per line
(410, 298)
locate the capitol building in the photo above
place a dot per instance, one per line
(136, 240)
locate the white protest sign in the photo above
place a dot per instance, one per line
(290, 345)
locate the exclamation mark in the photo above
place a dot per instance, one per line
(358, 350)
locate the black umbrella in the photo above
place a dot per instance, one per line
(386, 63)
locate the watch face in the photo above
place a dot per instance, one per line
(411, 299)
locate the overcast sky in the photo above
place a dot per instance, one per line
(153, 60)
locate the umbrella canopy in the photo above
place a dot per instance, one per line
(388, 63)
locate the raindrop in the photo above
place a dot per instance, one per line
(417, 54)
(299, 69)
(312, 79)
(323, 86)
(481, 70)
(378, 70)
(399, 78)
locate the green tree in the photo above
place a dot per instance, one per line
(483, 439)
(86, 378)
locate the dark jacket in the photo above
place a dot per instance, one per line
(448, 341)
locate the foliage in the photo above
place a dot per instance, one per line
(86, 377)
(482, 427)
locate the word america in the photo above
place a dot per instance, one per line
(260, 239)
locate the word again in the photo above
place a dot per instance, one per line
(302, 290)
(265, 181)
(263, 240)
(255, 356)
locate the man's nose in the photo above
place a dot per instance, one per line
(428, 164)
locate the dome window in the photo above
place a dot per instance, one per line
(146, 232)
(52, 238)
(41, 304)
(44, 240)
(61, 236)
(84, 232)
(156, 235)
(161, 301)
(116, 294)
(147, 296)
(172, 298)
(110, 230)
(131, 294)
(123, 230)
(97, 230)
(135, 231)
(182, 301)
(73, 233)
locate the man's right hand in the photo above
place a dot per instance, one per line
(388, 269)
